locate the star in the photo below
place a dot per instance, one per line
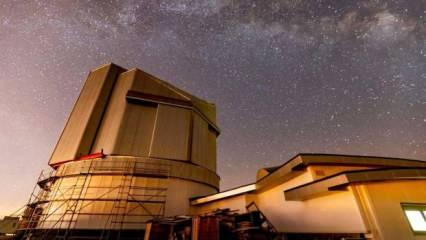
(286, 76)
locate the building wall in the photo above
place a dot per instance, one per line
(179, 191)
(236, 203)
(381, 203)
(336, 212)
(332, 213)
(99, 203)
(101, 193)
(95, 208)
(8, 225)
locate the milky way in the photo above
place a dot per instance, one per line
(287, 76)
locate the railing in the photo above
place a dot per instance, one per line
(115, 167)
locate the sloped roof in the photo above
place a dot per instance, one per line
(388, 168)
(266, 171)
(340, 180)
(302, 160)
(152, 88)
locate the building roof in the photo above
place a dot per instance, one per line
(341, 180)
(272, 176)
(156, 90)
(305, 159)
(224, 194)
(83, 127)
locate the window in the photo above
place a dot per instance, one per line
(416, 215)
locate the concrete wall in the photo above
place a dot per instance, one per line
(100, 202)
(381, 204)
(108, 194)
(179, 191)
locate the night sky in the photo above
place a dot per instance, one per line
(287, 76)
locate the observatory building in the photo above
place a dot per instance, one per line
(134, 148)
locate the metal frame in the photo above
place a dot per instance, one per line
(43, 196)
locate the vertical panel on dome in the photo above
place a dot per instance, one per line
(203, 144)
(171, 133)
(80, 130)
(136, 130)
(107, 138)
(211, 149)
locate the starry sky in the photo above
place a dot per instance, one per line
(287, 76)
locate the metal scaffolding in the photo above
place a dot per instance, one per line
(45, 217)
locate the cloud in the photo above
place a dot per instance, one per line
(194, 8)
(388, 28)
(327, 21)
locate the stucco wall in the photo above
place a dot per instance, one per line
(382, 203)
(336, 212)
